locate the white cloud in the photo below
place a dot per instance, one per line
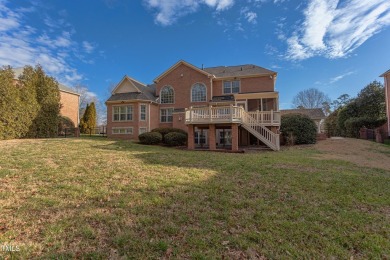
(339, 77)
(8, 19)
(21, 44)
(88, 47)
(251, 17)
(334, 29)
(169, 11)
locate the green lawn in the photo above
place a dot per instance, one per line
(98, 198)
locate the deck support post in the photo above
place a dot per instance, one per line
(191, 137)
(212, 138)
(234, 137)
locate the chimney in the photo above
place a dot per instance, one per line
(202, 66)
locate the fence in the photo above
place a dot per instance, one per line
(97, 131)
(378, 135)
(69, 132)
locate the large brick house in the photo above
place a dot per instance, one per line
(69, 100)
(386, 79)
(225, 106)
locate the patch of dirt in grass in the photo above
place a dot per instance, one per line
(360, 152)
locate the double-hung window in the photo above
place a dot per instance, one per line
(142, 112)
(166, 115)
(122, 113)
(231, 87)
(122, 130)
(198, 92)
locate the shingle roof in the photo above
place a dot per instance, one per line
(147, 93)
(385, 73)
(238, 71)
(313, 113)
(19, 71)
(130, 96)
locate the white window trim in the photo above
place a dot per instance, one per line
(174, 94)
(127, 105)
(201, 83)
(139, 130)
(166, 108)
(231, 87)
(114, 128)
(146, 112)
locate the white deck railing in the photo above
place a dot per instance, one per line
(229, 114)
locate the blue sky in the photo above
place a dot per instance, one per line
(335, 46)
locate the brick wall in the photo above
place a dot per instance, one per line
(70, 106)
(136, 123)
(181, 79)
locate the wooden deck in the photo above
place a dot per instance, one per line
(229, 114)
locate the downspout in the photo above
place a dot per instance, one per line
(149, 117)
(211, 88)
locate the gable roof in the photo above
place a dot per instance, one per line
(143, 92)
(312, 113)
(385, 73)
(135, 83)
(62, 87)
(177, 64)
(239, 71)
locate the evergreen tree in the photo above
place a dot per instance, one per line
(18, 106)
(91, 119)
(88, 122)
(45, 124)
(83, 121)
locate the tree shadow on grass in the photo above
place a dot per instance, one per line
(167, 203)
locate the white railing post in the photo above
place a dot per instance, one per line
(191, 114)
(210, 114)
(272, 117)
(231, 113)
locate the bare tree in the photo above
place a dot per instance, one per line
(311, 98)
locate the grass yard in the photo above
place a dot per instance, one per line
(97, 198)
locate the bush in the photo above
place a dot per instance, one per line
(298, 129)
(64, 122)
(166, 130)
(175, 139)
(353, 125)
(331, 124)
(150, 138)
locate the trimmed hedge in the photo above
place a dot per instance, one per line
(175, 139)
(298, 129)
(166, 130)
(150, 138)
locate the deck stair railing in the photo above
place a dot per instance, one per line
(254, 121)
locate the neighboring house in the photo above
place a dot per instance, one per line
(315, 114)
(386, 79)
(218, 106)
(69, 100)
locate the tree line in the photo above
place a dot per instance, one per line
(347, 115)
(30, 105)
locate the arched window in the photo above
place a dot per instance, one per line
(167, 95)
(198, 93)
